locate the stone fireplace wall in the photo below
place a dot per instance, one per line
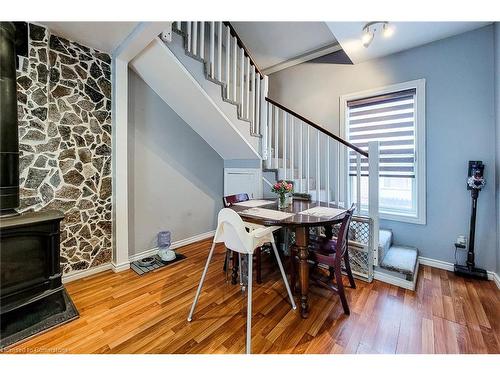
(64, 112)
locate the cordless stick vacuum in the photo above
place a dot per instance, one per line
(475, 183)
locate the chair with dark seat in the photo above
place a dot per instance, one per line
(229, 200)
(330, 252)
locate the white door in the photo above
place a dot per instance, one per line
(243, 180)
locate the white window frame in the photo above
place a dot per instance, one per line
(420, 173)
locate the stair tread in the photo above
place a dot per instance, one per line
(401, 259)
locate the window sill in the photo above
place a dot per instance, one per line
(399, 217)
(402, 218)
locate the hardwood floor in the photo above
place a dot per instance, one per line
(127, 313)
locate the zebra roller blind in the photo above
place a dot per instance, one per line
(389, 119)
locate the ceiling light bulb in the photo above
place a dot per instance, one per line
(367, 37)
(388, 30)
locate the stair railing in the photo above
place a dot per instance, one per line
(228, 63)
(321, 163)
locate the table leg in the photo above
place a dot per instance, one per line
(234, 273)
(302, 242)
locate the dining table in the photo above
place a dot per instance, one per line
(299, 216)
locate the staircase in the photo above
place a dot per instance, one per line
(206, 63)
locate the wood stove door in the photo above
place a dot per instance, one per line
(29, 258)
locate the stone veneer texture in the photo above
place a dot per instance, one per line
(64, 112)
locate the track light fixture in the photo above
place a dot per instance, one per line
(371, 28)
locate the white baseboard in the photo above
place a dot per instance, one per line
(495, 278)
(397, 281)
(436, 263)
(175, 245)
(72, 276)
(450, 267)
(120, 267)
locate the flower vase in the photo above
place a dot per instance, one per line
(282, 201)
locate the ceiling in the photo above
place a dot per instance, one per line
(273, 43)
(103, 36)
(406, 35)
(276, 45)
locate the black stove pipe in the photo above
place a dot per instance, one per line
(9, 139)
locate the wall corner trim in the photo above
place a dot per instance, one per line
(119, 267)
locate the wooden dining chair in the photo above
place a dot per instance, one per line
(330, 252)
(229, 200)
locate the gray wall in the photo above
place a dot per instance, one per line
(175, 177)
(497, 113)
(460, 126)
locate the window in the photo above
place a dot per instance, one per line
(394, 116)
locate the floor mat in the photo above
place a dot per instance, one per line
(158, 263)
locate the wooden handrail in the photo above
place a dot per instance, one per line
(316, 126)
(242, 45)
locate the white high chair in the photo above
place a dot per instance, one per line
(231, 230)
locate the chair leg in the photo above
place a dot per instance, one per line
(226, 261)
(348, 270)
(190, 316)
(249, 307)
(340, 288)
(278, 259)
(293, 280)
(258, 265)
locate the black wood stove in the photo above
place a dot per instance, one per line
(32, 296)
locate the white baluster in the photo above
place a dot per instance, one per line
(202, 40)
(285, 143)
(308, 172)
(252, 113)
(263, 116)
(242, 81)
(327, 175)
(276, 138)
(258, 105)
(337, 173)
(265, 135)
(292, 146)
(358, 182)
(318, 174)
(219, 51)
(373, 191)
(188, 35)
(235, 68)
(211, 61)
(247, 89)
(228, 58)
(301, 161)
(195, 38)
